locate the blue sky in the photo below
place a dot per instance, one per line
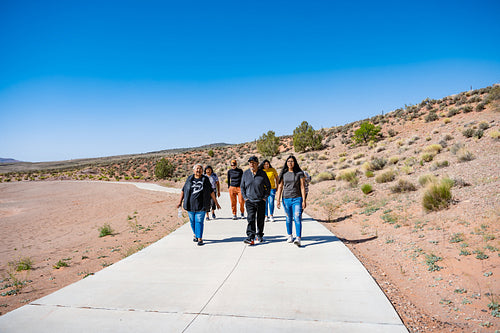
(99, 78)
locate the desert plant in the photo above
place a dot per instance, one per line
(304, 136)
(268, 144)
(431, 116)
(403, 185)
(434, 148)
(366, 188)
(366, 133)
(437, 196)
(427, 157)
(105, 230)
(23, 264)
(484, 125)
(211, 153)
(457, 237)
(322, 176)
(438, 165)
(163, 169)
(468, 132)
(430, 260)
(386, 177)
(495, 135)
(394, 159)
(61, 263)
(349, 175)
(464, 155)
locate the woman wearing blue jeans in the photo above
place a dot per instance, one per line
(292, 188)
(272, 174)
(196, 194)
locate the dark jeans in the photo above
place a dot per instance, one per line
(255, 212)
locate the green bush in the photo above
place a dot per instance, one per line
(163, 169)
(105, 230)
(468, 132)
(268, 144)
(23, 264)
(432, 116)
(366, 133)
(304, 136)
(437, 196)
(366, 188)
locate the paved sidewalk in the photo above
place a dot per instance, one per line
(224, 286)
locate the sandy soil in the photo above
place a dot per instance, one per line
(52, 221)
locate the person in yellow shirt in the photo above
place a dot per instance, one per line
(272, 174)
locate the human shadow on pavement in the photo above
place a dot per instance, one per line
(267, 239)
(318, 240)
(338, 219)
(357, 241)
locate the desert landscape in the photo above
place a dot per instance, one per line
(437, 260)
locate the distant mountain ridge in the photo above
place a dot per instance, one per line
(8, 160)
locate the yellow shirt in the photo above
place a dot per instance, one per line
(271, 174)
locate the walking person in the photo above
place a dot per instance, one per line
(272, 174)
(233, 182)
(292, 187)
(214, 181)
(255, 188)
(307, 181)
(196, 194)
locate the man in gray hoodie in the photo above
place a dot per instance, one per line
(255, 188)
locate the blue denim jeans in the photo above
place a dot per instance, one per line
(197, 219)
(293, 211)
(270, 203)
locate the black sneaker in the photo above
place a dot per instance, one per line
(195, 239)
(200, 242)
(260, 239)
(249, 241)
(213, 216)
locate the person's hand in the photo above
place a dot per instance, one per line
(304, 205)
(178, 206)
(218, 194)
(278, 205)
(218, 206)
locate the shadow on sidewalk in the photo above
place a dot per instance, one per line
(318, 240)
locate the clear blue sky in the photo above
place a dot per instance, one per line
(98, 78)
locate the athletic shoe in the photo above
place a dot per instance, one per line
(249, 241)
(297, 242)
(242, 215)
(272, 219)
(207, 218)
(195, 239)
(267, 219)
(260, 239)
(200, 242)
(213, 216)
(235, 217)
(289, 239)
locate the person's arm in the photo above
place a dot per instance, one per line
(278, 194)
(180, 200)
(228, 179)
(217, 185)
(267, 185)
(303, 191)
(212, 195)
(242, 187)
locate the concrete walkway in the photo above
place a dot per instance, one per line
(224, 286)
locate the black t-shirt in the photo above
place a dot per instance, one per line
(196, 202)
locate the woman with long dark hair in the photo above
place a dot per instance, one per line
(292, 187)
(272, 174)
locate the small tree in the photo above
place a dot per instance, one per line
(164, 169)
(268, 144)
(366, 133)
(304, 136)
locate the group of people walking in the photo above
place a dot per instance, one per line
(255, 189)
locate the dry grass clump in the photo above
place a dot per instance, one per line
(433, 149)
(377, 163)
(427, 157)
(437, 195)
(403, 185)
(349, 175)
(322, 176)
(426, 179)
(464, 155)
(394, 159)
(386, 177)
(495, 135)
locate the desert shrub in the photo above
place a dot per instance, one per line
(431, 116)
(268, 144)
(467, 109)
(403, 185)
(23, 264)
(495, 135)
(366, 188)
(386, 177)
(480, 107)
(394, 159)
(61, 263)
(105, 230)
(465, 155)
(349, 175)
(377, 163)
(392, 133)
(322, 177)
(163, 169)
(304, 136)
(358, 156)
(427, 157)
(446, 120)
(322, 158)
(453, 112)
(478, 134)
(211, 153)
(369, 174)
(426, 179)
(484, 125)
(468, 132)
(407, 169)
(437, 196)
(366, 133)
(438, 165)
(456, 147)
(435, 148)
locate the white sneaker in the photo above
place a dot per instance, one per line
(272, 219)
(289, 239)
(267, 219)
(297, 241)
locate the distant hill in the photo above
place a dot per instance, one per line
(8, 160)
